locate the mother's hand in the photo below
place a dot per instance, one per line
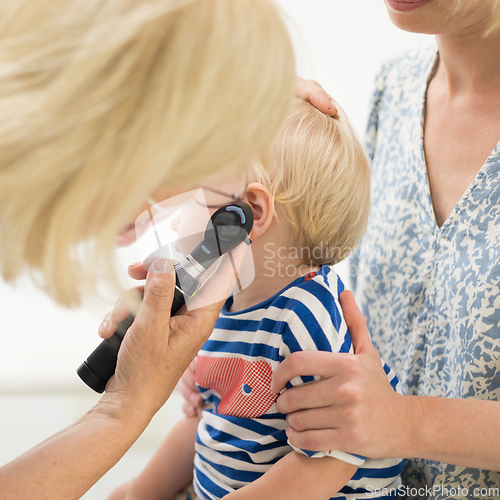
(353, 406)
(313, 92)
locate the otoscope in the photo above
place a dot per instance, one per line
(228, 227)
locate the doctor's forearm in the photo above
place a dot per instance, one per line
(70, 462)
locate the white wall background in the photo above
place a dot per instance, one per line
(339, 43)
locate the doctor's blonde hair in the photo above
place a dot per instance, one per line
(104, 101)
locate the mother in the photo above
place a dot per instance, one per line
(428, 269)
(105, 103)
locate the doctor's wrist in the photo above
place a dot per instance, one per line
(124, 410)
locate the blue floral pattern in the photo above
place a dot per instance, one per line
(431, 295)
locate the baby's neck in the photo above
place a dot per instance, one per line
(268, 281)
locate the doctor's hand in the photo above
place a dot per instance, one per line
(157, 348)
(313, 92)
(353, 406)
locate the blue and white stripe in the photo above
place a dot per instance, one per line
(231, 451)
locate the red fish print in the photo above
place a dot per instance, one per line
(244, 386)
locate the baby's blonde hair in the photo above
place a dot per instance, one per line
(319, 176)
(104, 101)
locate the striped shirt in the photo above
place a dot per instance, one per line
(242, 434)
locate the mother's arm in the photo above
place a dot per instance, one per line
(154, 354)
(354, 408)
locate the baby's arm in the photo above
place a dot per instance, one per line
(297, 476)
(170, 469)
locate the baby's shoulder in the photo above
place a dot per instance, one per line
(315, 291)
(311, 315)
(312, 303)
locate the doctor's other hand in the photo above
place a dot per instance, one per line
(313, 92)
(193, 402)
(353, 406)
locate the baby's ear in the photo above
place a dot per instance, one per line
(261, 200)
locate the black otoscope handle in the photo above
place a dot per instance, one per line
(100, 366)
